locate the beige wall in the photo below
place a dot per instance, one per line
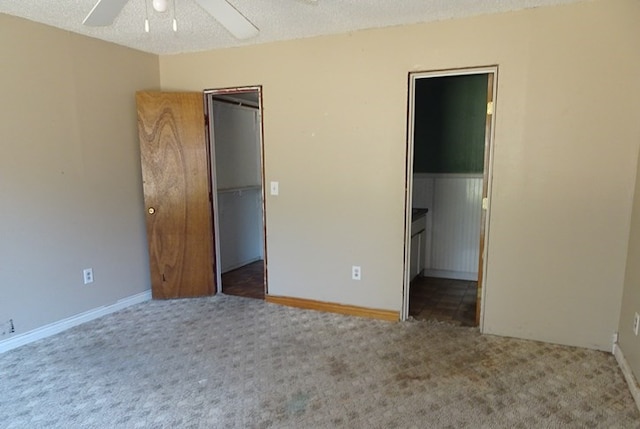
(70, 182)
(566, 142)
(629, 343)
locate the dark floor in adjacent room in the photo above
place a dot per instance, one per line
(247, 281)
(445, 300)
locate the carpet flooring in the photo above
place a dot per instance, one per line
(232, 362)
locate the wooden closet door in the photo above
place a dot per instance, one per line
(175, 173)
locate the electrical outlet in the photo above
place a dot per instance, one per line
(636, 323)
(7, 328)
(87, 275)
(356, 273)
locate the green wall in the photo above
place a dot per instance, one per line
(449, 124)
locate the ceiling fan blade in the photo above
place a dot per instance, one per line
(230, 18)
(104, 13)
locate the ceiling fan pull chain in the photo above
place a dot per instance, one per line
(146, 16)
(175, 21)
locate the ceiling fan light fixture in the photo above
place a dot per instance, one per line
(160, 5)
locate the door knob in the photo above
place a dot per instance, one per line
(152, 210)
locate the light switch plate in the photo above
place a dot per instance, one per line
(275, 188)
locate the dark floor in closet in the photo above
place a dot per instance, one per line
(247, 281)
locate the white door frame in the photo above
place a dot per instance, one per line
(413, 77)
(208, 95)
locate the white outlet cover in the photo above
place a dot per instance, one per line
(87, 275)
(356, 273)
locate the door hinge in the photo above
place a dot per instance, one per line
(490, 108)
(485, 203)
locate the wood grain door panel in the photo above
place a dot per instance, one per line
(175, 172)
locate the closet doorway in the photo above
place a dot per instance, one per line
(449, 156)
(237, 178)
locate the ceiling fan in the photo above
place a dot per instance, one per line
(105, 12)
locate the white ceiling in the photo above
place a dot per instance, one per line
(276, 19)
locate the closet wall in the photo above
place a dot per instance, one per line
(237, 173)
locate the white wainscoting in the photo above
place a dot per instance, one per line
(453, 223)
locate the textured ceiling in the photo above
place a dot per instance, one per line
(276, 19)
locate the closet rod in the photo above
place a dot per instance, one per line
(235, 102)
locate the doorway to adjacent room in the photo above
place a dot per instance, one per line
(449, 156)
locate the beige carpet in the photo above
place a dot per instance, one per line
(230, 362)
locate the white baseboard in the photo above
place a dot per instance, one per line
(628, 374)
(70, 322)
(446, 274)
